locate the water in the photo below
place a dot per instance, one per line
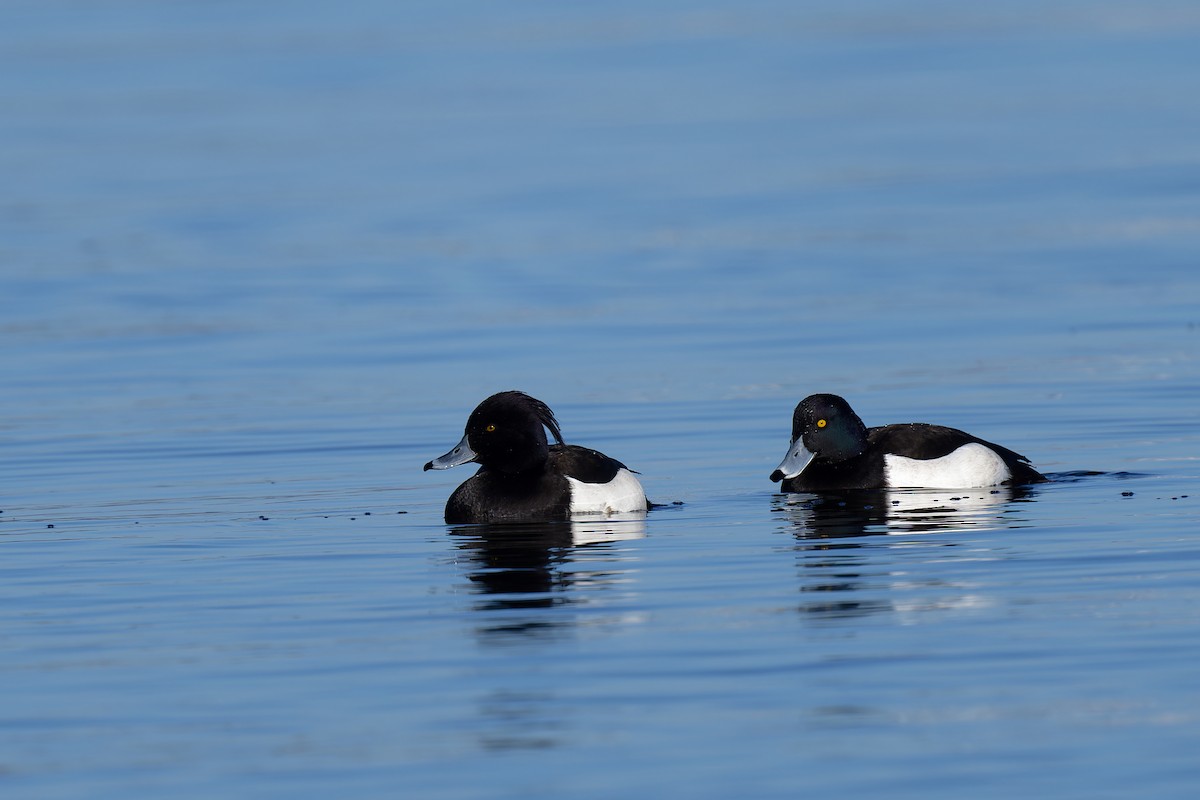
(258, 267)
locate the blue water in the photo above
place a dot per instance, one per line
(259, 263)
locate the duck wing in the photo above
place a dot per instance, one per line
(583, 463)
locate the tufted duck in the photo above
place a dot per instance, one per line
(523, 478)
(832, 449)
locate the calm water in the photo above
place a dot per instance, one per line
(260, 263)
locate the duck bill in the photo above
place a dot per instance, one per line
(797, 458)
(461, 454)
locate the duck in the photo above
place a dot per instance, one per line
(831, 448)
(523, 477)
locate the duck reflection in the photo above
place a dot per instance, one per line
(523, 571)
(528, 578)
(865, 512)
(852, 571)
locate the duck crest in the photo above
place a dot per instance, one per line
(522, 477)
(544, 415)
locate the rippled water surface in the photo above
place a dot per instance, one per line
(260, 263)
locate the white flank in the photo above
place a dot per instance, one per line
(622, 494)
(968, 466)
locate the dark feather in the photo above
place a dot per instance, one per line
(546, 416)
(584, 464)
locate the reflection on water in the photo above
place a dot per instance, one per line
(853, 513)
(524, 569)
(534, 582)
(521, 720)
(854, 575)
(249, 259)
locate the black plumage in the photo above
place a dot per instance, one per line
(848, 455)
(522, 477)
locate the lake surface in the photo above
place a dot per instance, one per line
(259, 263)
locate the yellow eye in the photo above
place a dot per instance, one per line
(490, 428)
(821, 423)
